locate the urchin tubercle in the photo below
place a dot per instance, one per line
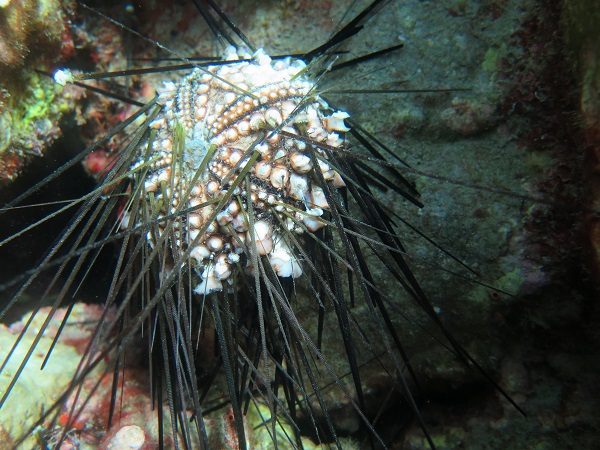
(250, 132)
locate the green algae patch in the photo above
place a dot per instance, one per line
(30, 114)
(39, 102)
(492, 57)
(41, 105)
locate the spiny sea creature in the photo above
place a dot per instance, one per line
(242, 126)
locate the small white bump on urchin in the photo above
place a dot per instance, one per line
(335, 122)
(210, 282)
(284, 261)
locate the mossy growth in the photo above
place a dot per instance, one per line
(492, 58)
(30, 115)
(43, 101)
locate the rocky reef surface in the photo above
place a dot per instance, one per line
(83, 418)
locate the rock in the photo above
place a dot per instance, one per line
(468, 117)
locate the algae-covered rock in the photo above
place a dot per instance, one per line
(33, 34)
(30, 117)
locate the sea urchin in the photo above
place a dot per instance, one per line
(234, 137)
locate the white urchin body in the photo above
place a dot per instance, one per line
(230, 112)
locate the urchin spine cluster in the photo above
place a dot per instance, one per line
(225, 110)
